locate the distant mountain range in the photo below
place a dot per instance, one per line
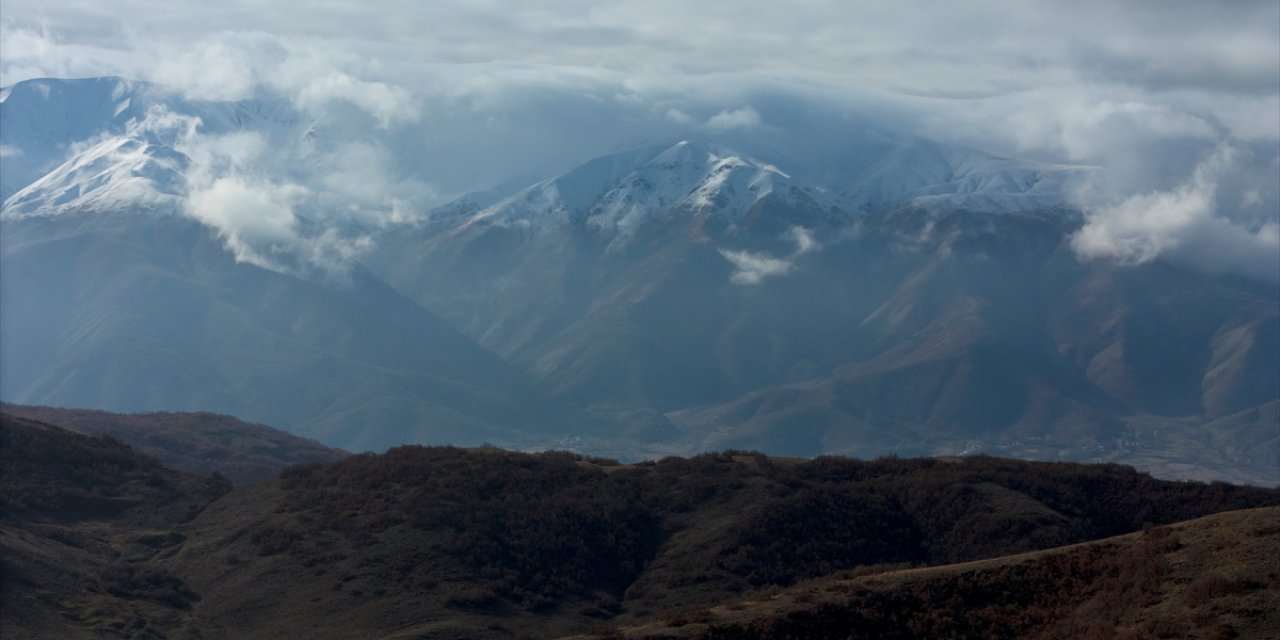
(904, 297)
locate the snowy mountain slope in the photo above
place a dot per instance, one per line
(619, 193)
(41, 119)
(927, 174)
(875, 168)
(108, 142)
(117, 171)
(66, 142)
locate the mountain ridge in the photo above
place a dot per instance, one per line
(897, 175)
(898, 296)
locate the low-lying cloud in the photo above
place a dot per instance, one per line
(255, 219)
(743, 118)
(753, 268)
(388, 104)
(1185, 224)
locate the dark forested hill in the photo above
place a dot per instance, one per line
(447, 543)
(1210, 578)
(84, 525)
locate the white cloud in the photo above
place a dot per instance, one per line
(232, 186)
(743, 118)
(804, 240)
(752, 268)
(386, 103)
(1088, 132)
(255, 219)
(679, 117)
(987, 47)
(1184, 225)
(225, 67)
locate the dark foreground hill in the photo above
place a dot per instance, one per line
(1213, 577)
(451, 543)
(83, 523)
(200, 443)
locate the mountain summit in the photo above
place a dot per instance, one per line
(621, 192)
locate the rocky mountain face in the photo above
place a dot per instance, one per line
(787, 317)
(903, 297)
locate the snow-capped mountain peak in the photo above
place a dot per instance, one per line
(617, 194)
(621, 192)
(77, 144)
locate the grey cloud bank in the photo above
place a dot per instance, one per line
(1179, 102)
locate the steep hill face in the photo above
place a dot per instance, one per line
(147, 310)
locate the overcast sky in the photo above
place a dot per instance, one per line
(1179, 100)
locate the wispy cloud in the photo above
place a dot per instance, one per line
(743, 118)
(753, 268)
